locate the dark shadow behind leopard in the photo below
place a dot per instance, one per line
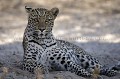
(42, 50)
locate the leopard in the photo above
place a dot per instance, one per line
(42, 50)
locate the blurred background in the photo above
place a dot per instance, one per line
(94, 25)
(88, 20)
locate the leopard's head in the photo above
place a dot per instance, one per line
(41, 19)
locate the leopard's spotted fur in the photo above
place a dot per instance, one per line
(42, 50)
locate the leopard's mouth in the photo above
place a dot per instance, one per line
(40, 35)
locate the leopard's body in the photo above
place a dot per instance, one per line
(42, 50)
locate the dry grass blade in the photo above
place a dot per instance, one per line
(5, 71)
(39, 73)
(96, 73)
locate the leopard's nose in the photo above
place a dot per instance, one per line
(41, 30)
(41, 34)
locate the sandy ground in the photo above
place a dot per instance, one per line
(98, 34)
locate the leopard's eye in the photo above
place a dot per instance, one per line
(50, 18)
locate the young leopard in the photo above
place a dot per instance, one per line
(42, 50)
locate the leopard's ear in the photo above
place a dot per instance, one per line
(55, 11)
(28, 9)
